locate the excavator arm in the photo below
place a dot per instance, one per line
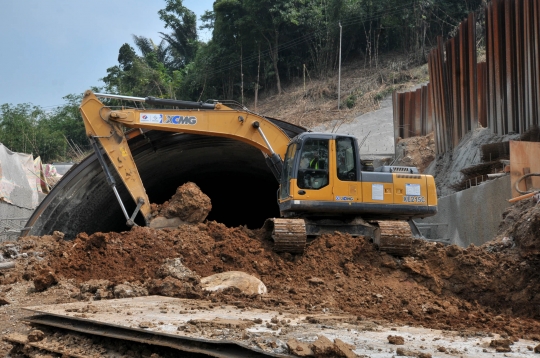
(106, 126)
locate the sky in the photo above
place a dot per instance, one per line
(49, 49)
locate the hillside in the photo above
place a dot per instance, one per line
(362, 90)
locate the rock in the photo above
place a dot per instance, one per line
(501, 343)
(453, 250)
(4, 300)
(173, 287)
(343, 349)
(146, 324)
(323, 347)
(161, 222)
(7, 265)
(92, 286)
(126, 290)
(316, 281)
(247, 284)
(410, 353)
(189, 204)
(299, 349)
(175, 268)
(398, 340)
(58, 235)
(36, 336)
(102, 294)
(537, 349)
(45, 279)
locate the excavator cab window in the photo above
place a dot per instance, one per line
(346, 159)
(313, 170)
(287, 172)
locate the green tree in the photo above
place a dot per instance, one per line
(271, 18)
(67, 120)
(25, 128)
(182, 40)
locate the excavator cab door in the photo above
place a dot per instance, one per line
(313, 169)
(288, 171)
(308, 163)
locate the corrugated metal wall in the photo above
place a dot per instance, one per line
(502, 93)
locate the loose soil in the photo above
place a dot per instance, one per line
(493, 287)
(416, 152)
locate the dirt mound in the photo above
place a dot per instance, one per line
(521, 227)
(489, 288)
(416, 152)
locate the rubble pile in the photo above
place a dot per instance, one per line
(488, 288)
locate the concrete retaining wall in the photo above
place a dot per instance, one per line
(471, 216)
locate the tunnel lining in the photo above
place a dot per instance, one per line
(233, 174)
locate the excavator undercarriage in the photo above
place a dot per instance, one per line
(391, 236)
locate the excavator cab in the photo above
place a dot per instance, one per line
(315, 161)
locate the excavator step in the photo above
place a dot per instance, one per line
(395, 237)
(289, 235)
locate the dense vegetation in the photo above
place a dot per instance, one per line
(256, 46)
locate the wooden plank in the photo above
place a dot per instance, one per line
(524, 155)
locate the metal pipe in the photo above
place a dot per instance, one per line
(108, 175)
(258, 127)
(120, 202)
(160, 101)
(117, 96)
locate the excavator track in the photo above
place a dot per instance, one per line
(395, 237)
(289, 235)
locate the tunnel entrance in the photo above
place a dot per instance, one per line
(233, 174)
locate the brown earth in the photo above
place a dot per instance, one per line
(416, 151)
(490, 288)
(189, 204)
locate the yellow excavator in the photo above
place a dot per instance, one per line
(324, 187)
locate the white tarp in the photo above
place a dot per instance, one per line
(18, 185)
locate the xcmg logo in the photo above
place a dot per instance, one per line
(190, 120)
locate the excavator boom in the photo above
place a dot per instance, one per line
(105, 125)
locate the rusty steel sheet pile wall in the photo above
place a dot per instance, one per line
(502, 93)
(412, 113)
